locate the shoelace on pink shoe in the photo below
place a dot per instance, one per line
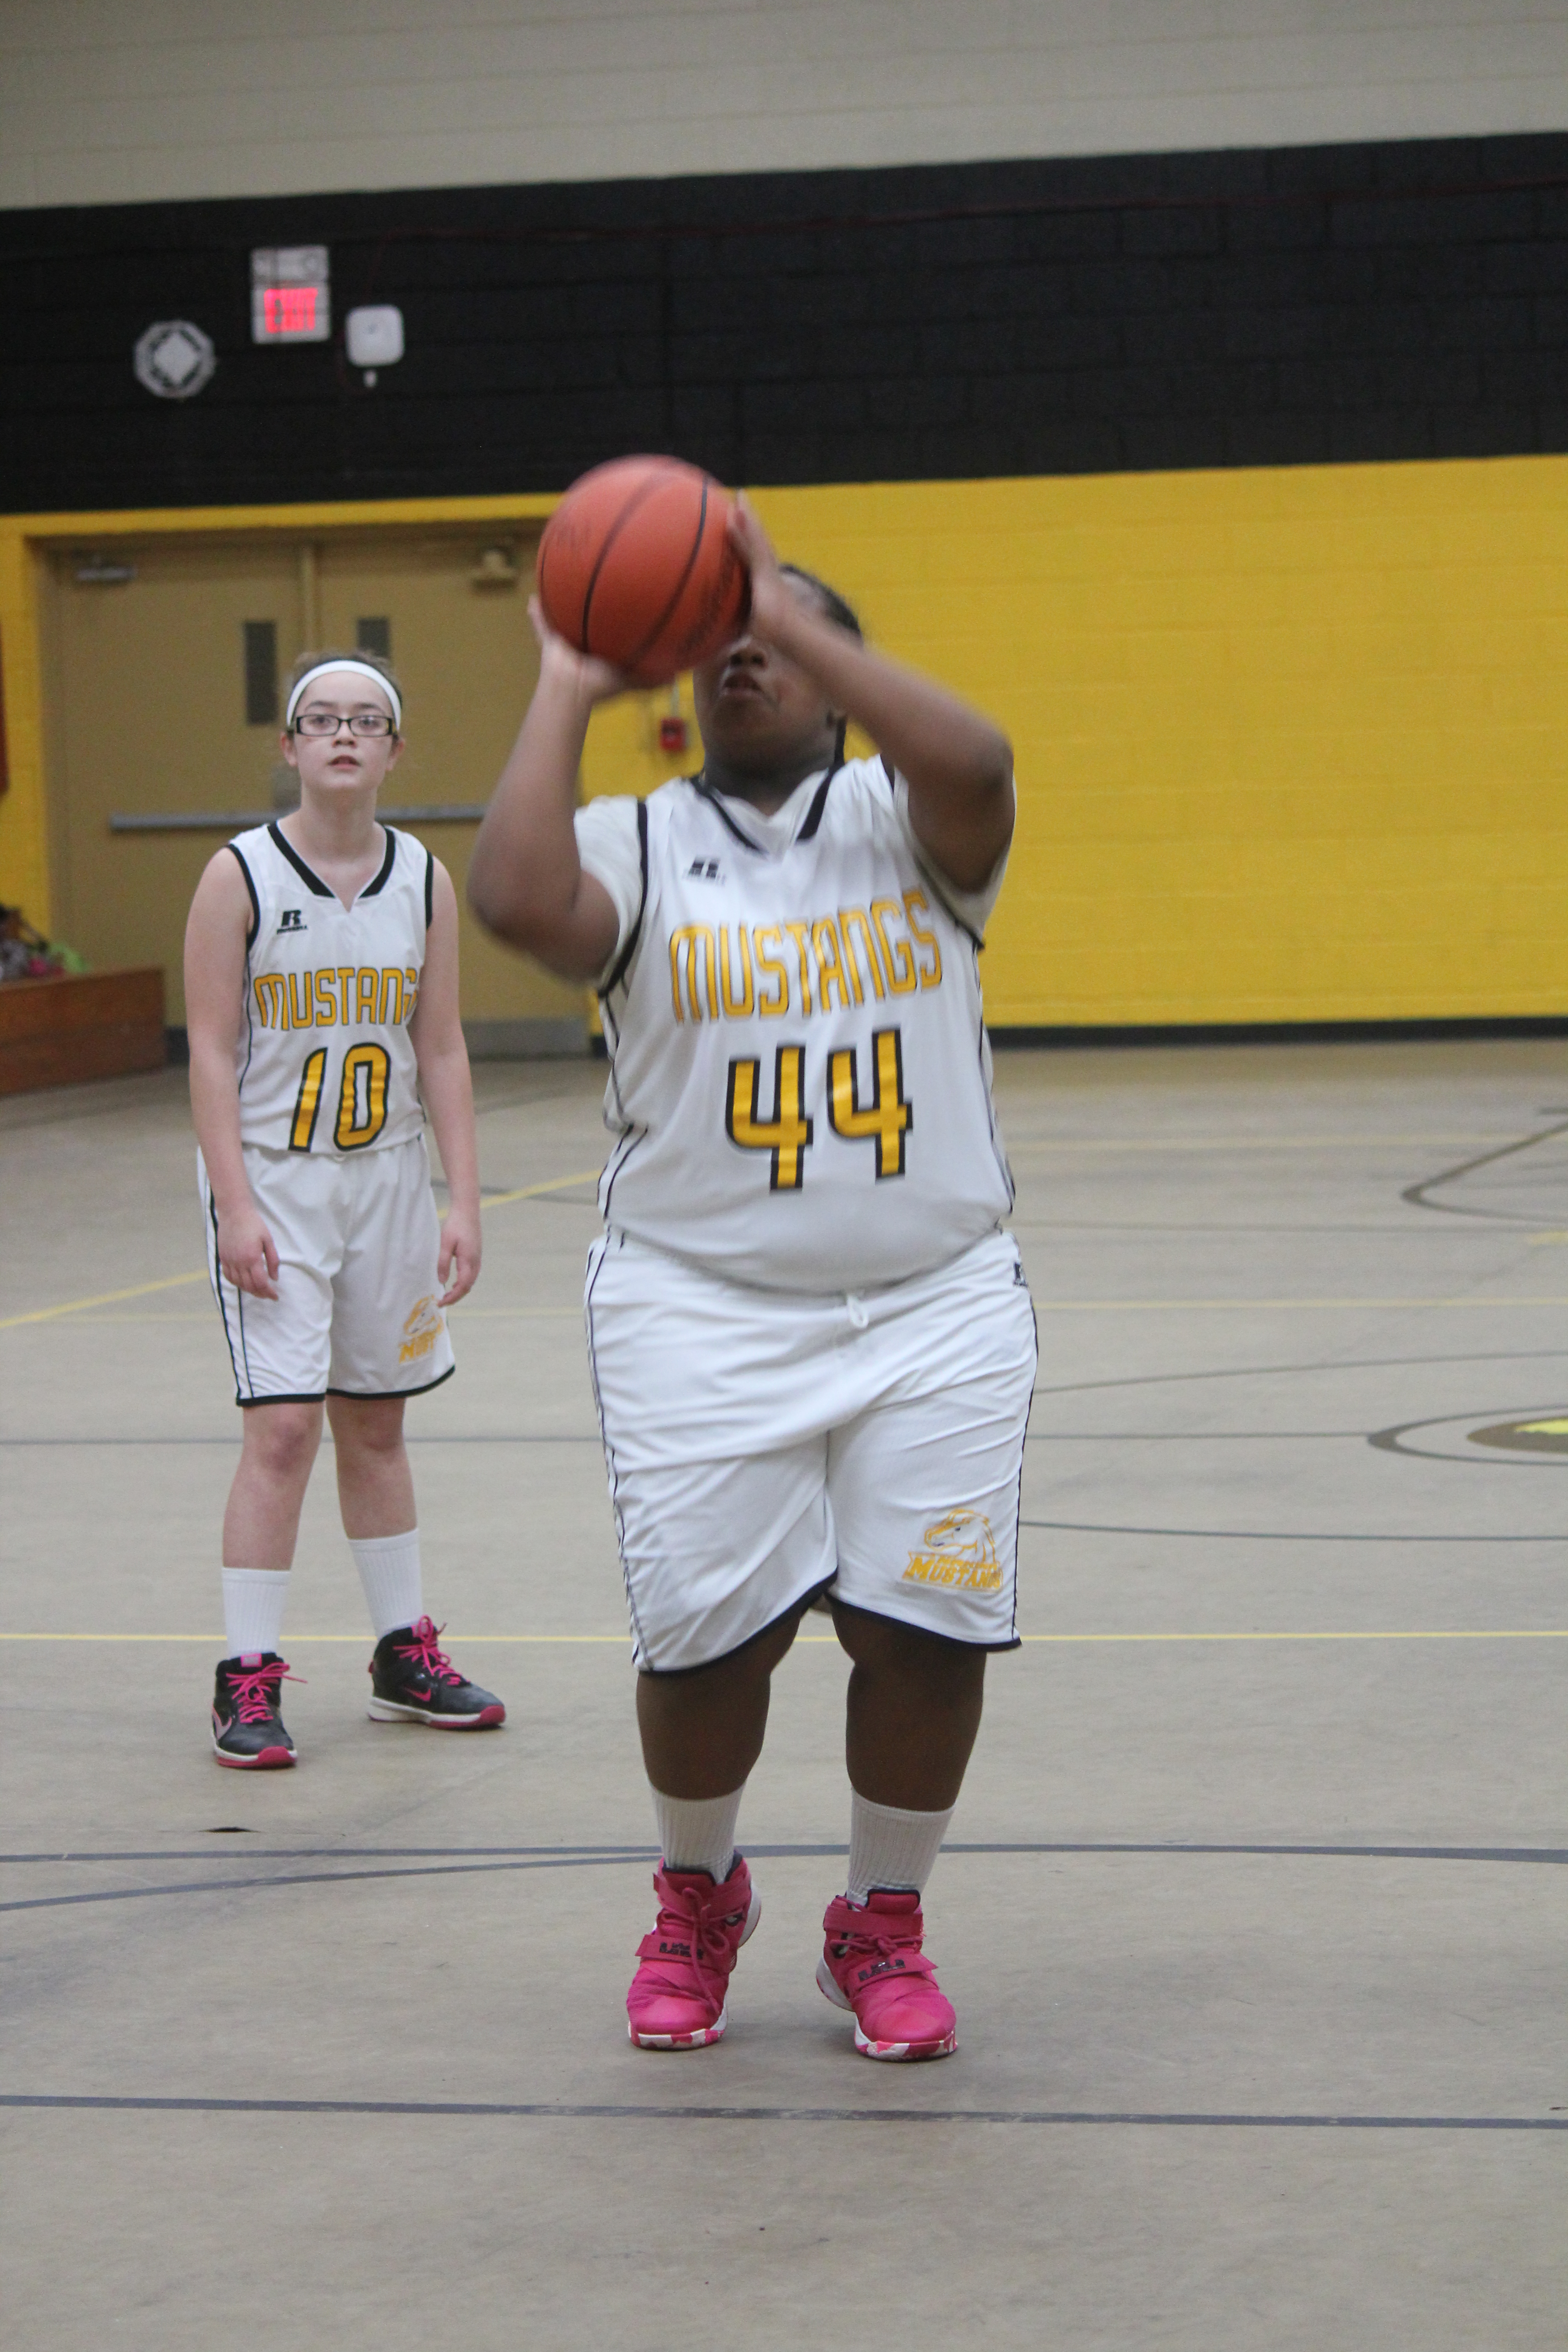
(881, 1944)
(256, 1693)
(688, 1908)
(423, 1647)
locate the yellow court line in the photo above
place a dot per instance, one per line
(103, 1299)
(1484, 1633)
(531, 1192)
(175, 1281)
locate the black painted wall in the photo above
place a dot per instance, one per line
(1284, 307)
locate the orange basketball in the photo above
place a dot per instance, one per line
(635, 566)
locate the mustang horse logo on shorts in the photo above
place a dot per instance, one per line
(419, 1331)
(959, 1550)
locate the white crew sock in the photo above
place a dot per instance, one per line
(698, 1832)
(892, 1849)
(253, 1601)
(389, 1570)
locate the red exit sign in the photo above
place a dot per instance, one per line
(291, 294)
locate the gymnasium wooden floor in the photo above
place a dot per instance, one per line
(1254, 1913)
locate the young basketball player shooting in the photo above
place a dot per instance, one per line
(321, 999)
(811, 1344)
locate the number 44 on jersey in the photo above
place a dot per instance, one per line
(883, 1121)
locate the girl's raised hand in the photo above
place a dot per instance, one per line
(590, 680)
(771, 601)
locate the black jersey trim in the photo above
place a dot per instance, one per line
(250, 938)
(312, 882)
(795, 1609)
(998, 1147)
(623, 961)
(819, 801)
(597, 1258)
(374, 890)
(934, 876)
(214, 1273)
(700, 784)
(808, 828)
(238, 857)
(384, 1396)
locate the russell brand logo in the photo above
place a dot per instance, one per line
(958, 1550)
(292, 919)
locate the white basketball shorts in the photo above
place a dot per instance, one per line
(357, 1312)
(763, 1446)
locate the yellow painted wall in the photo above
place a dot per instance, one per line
(1291, 744)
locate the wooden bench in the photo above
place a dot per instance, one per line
(94, 1024)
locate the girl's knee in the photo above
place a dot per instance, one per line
(282, 1439)
(367, 1425)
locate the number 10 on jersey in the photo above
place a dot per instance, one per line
(884, 1122)
(362, 1098)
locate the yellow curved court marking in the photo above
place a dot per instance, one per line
(1486, 1634)
(176, 1281)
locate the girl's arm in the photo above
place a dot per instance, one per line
(958, 766)
(448, 1092)
(525, 880)
(214, 1004)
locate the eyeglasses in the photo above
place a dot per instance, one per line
(360, 722)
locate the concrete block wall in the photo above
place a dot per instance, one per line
(1288, 741)
(109, 101)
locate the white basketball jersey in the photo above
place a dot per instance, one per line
(325, 1061)
(800, 1077)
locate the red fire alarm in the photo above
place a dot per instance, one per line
(672, 734)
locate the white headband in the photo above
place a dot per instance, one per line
(377, 678)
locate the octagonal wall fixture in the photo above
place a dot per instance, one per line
(173, 360)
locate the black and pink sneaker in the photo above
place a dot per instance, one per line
(412, 1680)
(248, 1730)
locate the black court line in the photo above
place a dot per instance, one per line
(645, 1857)
(628, 1852)
(1393, 1440)
(551, 2110)
(1416, 1194)
(315, 1878)
(1274, 1535)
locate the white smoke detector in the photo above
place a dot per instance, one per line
(375, 335)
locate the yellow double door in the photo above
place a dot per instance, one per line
(166, 661)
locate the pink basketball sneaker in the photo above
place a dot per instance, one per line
(873, 1964)
(677, 1997)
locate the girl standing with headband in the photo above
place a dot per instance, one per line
(321, 999)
